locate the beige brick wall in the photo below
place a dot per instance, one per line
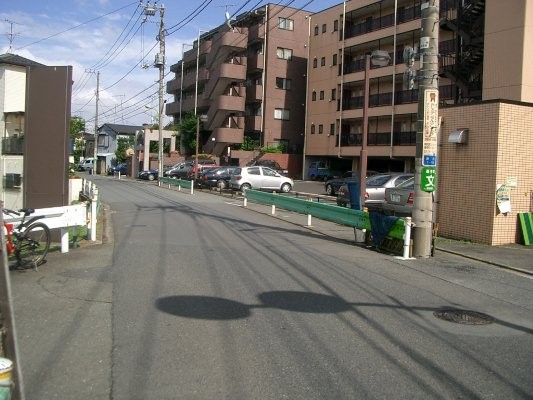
(499, 147)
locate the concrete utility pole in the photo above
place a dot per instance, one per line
(150, 10)
(427, 134)
(95, 150)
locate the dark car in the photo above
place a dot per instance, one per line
(119, 168)
(270, 164)
(149, 175)
(216, 177)
(332, 185)
(375, 189)
(179, 171)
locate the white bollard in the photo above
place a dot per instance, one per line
(64, 240)
(245, 202)
(407, 237)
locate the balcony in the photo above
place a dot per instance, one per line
(229, 135)
(13, 145)
(222, 76)
(256, 32)
(226, 43)
(221, 107)
(379, 139)
(255, 62)
(191, 55)
(254, 93)
(252, 123)
(172, 108)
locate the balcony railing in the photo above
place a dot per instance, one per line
(379, 139)
(374, 24)
(13, 145)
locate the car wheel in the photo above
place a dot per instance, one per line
(151, 177)
(221, 184)
(286, 187)
(245, 187)
(329, 190)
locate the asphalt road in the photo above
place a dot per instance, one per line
(210, 300)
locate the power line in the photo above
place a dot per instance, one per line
(77, 26)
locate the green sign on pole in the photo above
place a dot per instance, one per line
(428, 179)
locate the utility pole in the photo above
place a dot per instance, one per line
(427, 133)
(150, 10)
(95, 150)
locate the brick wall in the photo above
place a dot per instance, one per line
(499, 147)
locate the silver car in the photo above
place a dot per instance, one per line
(259, 178)
(375, 189)
(399, 200)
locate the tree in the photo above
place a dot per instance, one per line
(122, 145)
(187, 128)
(77, 127)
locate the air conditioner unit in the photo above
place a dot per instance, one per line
(459, 136)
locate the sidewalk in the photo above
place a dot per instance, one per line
(514, 257)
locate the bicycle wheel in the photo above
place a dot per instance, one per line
(31, 248)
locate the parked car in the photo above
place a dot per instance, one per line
(216, 177)
(270, 164)
(400, 199)
(320, 170)
(375, 189)
(119, 168)
(332, 186)
(179, 170)
(149, 175)
(87, 164)
(260, 178)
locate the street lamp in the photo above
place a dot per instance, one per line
(378, 58)
(214, 140)
(198, 118)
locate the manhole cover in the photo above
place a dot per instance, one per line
(466, 317)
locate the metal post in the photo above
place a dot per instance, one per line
(197, 140)
(426, 136)
(363, 158)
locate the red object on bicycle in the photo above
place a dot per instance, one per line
(9, 244)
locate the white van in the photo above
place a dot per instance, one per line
(87, 164)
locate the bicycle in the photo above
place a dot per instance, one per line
(28, 241)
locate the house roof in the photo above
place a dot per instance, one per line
(13, 59)
(122, 129)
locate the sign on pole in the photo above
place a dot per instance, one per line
(430, 140)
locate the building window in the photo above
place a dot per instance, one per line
(324, 28)
(321, 95)
(313, 98)
(320, 129)
(334, 60)
(323, 61)
(285, 54)
(285, 23)
(312, 129)
(283, 83)
(332, 129)
(333, 94)
(315, 62)
(316, 30)
(282, 113)
(335, 25)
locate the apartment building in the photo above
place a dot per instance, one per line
(485, 91)
(248, 78)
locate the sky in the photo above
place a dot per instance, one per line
(112, 38)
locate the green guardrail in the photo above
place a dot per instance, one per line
(329, 212)
(176, 182)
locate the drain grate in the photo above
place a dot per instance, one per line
(465, 317)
